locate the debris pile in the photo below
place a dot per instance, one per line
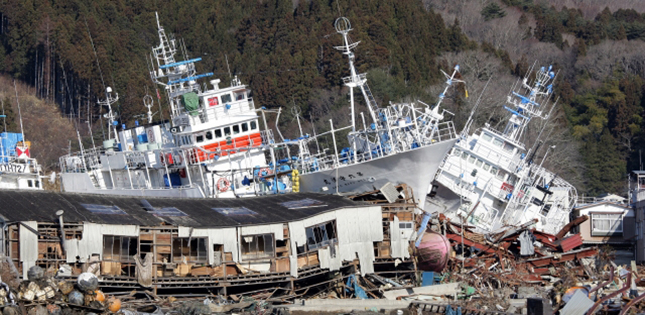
(521, 267)
(44, 293)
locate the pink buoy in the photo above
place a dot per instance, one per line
(434, 252)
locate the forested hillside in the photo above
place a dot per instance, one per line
(68, 51)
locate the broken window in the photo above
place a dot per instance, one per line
(192, 249)
(606, 223)
(257, 246)
(119, 248)
(321, 235)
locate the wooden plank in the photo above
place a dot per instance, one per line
(282, 265)
(146, 237)
(201, 271)
(164, 249)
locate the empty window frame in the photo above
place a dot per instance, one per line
(236, 129)
(191, 250)
(209, 135)
(199, 138)
(245, 127)
(119, 248)
(321, 235)
(218, 133)
(227, 131)
(260, 246)
(254, 125)
(487, 137)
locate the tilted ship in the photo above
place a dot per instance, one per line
(400, 143)
(213, 146)
(490, 178)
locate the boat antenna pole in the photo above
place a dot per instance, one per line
(4, 119)
(22, 131)
(469, 122)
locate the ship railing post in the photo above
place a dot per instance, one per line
(183, 155)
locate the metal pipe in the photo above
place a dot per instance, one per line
(59, 213)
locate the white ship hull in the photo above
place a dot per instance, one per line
(414, 168)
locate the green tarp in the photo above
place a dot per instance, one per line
(191, 103)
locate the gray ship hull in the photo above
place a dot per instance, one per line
(416, 168)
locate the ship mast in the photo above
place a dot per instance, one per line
(111, 115)
(173, 74)
(530, 104)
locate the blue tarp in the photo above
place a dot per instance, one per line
(358, 291)
(174, 179)
(9, 141)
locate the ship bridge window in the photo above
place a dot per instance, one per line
(226, 98)
(236, 129)
(199, 138)
(501, 174)
(508, 147)
(471, 159)
(218, 133)
(30, 183)
(209, 135)
(487, 137)
(254, 125)
(245, 127)
(486, 166)
(239, 95)
(493, 170)
(498, 142)
(456, 152)
(464, 156)
(213, 101)
(479, 163)
(227, 131)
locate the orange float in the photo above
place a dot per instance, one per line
(114, 305)
(99, 296)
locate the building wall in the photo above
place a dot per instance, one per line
(639, 209)
(28, 246)
(357, 229)
(629, 223)
(92, 240)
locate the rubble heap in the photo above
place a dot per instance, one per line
(522, 267)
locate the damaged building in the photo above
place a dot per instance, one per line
(288, 245)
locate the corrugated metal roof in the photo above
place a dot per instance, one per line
(41, 206)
